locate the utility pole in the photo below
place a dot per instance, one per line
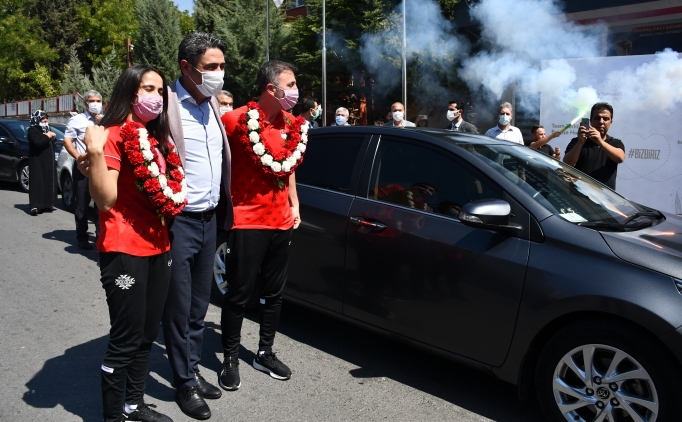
(404, 58)
(129, 50)
(267, 30)
(324, 63)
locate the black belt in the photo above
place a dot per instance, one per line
(201, 216)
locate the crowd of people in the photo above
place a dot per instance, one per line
(169, 164)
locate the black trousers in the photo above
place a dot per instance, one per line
(193, 250)
(254, 255)
(81, 187)
(136, 289)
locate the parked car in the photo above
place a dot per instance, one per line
(499, 257)
(14, 150)
(65, 179)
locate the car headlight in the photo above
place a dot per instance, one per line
(678, 284)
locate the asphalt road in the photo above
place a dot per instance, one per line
(53, 334)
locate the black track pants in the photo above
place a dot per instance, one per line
(261, 255)
(136, 289)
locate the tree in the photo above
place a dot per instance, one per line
(75, 79)
(186, 21)
(105, 75)
(106, 24)
(159, 36)
(241, 24)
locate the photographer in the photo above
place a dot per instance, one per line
(594, 152)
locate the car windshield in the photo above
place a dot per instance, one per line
(560, 188)
(18, 129)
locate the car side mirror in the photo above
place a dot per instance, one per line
(5, 140)
(489, 214)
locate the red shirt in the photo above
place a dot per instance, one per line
(258, 202)
(131, 226)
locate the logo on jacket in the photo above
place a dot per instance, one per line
(125, 281)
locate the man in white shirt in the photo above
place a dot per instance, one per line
(73, 143)
(504, 130)
(398, 114)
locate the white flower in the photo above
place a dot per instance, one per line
(144, 144)
(183, 184)
(284, 136)
(304, 138)
(259, 149)
(301, 147)
(143, 134)
(296, 155)
(266, 159)
(182, 170)
(286, 166)
(163, 181)
(168, 192)
(291, 161)
(179, 197)
(304, 128)
(253, 114)
(148, 155)
(254, 137)
(276, 167)
(154, 169)
(253, 124)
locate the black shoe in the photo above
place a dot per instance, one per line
(144, 412)
(229, 376)
(34, 211)
(268, 362)
(208, 391)
(192, 404)
(84, 244)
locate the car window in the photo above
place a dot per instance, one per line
(329, 161)
(560, 188)
(18, 129)
(3, 132)
(424, 179)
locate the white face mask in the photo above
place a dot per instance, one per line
(340, 120)
(505, 119)
(211, 82)
(95, 108)
(224, 110)
(398, 116)
(452, 115)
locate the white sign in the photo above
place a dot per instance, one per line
(652, 171)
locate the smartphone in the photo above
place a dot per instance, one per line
(585, 122)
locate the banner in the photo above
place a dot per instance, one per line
(652, 172)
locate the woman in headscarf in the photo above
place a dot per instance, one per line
(42, 192)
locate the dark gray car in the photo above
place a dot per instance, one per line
(499, 257)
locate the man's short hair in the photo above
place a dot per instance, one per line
(342, 109)
(459, 104)
(535, 128)
(91, 93)
(270, 71)
(599, 107)
(195, 44)
(228, 93)
(506, 105)
(308, 103)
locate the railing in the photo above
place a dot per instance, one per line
(59, 104)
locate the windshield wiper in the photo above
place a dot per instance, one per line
(656, 214)
(620, 227)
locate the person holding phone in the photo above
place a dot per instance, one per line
(594, 152)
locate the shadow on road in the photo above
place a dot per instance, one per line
(69, 237)
(377, 356)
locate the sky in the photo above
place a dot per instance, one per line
(184, 4)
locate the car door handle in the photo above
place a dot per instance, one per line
(372, 225)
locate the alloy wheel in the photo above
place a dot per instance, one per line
(23, 178)
(595, 382)
(67, 192)
(219, 267)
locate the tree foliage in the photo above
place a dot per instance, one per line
(75, 79)
(106, 24)
(159, 36)
(105, 75)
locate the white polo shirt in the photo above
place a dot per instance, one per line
(513, 134)
(75, 129)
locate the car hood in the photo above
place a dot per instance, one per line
(658, 248)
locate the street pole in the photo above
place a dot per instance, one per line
(267, 30)
(324, 62)
(128, 50)
(404, 58)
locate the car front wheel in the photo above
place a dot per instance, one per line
(22, 173)
(68, 194)
(594, 372)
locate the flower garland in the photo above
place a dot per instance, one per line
(283, 163)
(165, 185)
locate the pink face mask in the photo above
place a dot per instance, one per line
(148, 107)
(290, 98)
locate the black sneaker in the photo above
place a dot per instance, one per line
(268, 362)
(229, 376)
(144, 412)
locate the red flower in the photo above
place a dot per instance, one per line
(136, 158)
(152, 186)
(130, 146)
(177, 175)
(173, 159)
(142, 172)
(167, 208)
(175, 186)
(159, 199)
